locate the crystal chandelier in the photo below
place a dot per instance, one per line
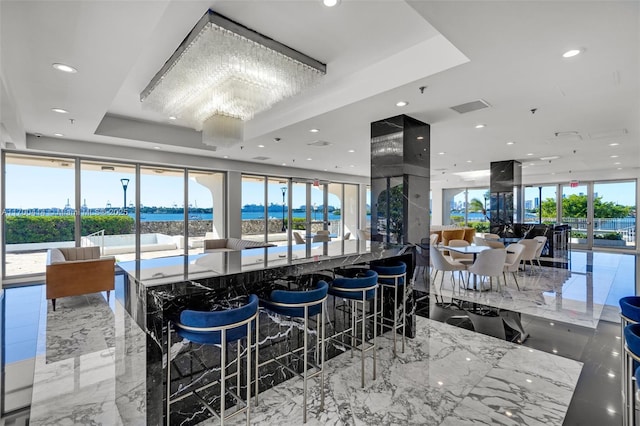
(224, 73)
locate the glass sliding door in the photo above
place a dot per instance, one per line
(277, 195)
(162, 212)
(40, 210)
(335, 192)
(453, 204)
(477, 205)
(254, 210)
(574, 212)
(540, 204)
(614, 219)
(107, 212)
(206, 208)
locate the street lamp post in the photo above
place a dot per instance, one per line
(125, 184)
(284, 191)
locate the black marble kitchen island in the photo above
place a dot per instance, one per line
(156, 290)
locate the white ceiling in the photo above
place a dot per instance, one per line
(377, 53)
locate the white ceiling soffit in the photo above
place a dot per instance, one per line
(364, 57)
(105, 37)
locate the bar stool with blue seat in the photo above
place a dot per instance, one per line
(629, 314)
(360, 288)
(219, 328)
(302, 304)
(394, 276)
(632, 362)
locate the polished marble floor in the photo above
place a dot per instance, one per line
(566, 372)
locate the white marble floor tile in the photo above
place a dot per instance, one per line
(447, 376)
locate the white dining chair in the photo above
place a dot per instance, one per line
(489, 263)
(465, 259)
(512, 262)
(542, 240)
(529, 253)
(440, 263)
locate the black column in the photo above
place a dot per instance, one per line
(400, 166)
(506, 197)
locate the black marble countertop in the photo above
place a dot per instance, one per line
(294, 260)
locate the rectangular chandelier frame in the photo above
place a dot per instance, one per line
(212, 17)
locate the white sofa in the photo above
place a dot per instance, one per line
(232, 244)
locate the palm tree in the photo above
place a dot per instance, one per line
(476, 205)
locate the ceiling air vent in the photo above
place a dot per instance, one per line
(260, 158)
(566, 136)
(470, 106)
(320, 144)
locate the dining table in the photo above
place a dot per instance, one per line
(474, 250)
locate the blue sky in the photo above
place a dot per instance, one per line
(44, 187)
(30, 187)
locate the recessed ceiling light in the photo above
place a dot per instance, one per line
(614, 144)
(172, 117)
(529, 381)
(441, 153)
(480, 126)
(314, 130)
(59, 110)
(61, 135)
(226, 156)
(284, 164)
(420, 138)
(619, 168)
(611, 374)
(352, 150)
(64, 68)
(402, 103)
(260, 146)
(616, 163)
(156, 147)
(440, 383)
(309, 159)
(529, 154)
(571, 53)
(510, 143)
(330, 3)
(555, 351)
(351, 165)
(613, 156)
(469, 161)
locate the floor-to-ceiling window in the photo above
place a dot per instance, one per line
(39, 207)
(277, 210)
(466, 206)
(614, 214)
(334, 209)
(162, 212)
(540, 204)
(107, 212)
(254, 210)
(206, 207)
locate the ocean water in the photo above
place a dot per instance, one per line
(152, 217)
